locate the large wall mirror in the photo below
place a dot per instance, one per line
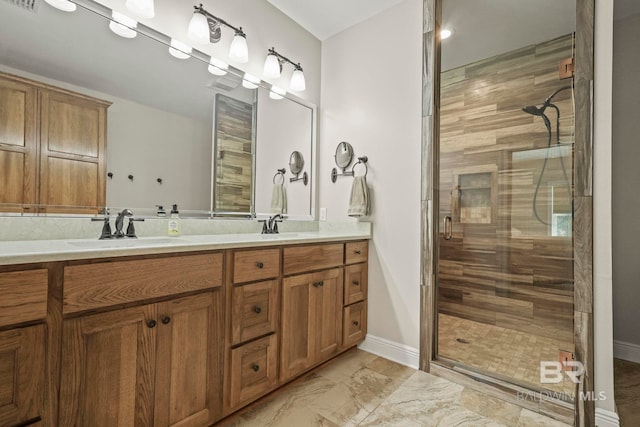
(505, 279)
(173, 131)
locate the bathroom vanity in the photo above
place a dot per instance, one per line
(164, 332)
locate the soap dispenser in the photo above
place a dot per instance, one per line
(174, 222)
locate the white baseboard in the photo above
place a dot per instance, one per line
(403, 354)
(606, 418)
(626, 351)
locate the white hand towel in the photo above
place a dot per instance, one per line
(278, 200)
(359, 200)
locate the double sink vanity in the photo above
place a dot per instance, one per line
(171, 331)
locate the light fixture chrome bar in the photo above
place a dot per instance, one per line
(283, 58)
(206, 13)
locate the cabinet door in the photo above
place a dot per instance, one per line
(21, 375)
(18, 143)
(298, 318)
(311, 320)
(188, 368)
(107, 369)
(72, 152)
(328, 312)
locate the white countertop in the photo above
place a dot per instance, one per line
(33, 251)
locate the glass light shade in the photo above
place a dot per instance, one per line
(142, 8)
(217, 67)
(122, 25)
(445, 33)
(297, 81)
(277, 93)
(239, 51)
(63, 5)
(250, 81)
(179, 50)
(271, 67)
(199, 28)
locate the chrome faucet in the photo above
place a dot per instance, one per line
(270, 226)
(118, 234)
(120, 222)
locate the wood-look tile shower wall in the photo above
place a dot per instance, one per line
(501, 267)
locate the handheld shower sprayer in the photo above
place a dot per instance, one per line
(539, 111)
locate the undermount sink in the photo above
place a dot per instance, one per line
(125, 243)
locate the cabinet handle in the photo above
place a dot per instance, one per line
(357, 251)
(259, 265)
(321, 283)
(255, 367)
(166, 320)
(355, 283)
(257, 309)
(355, 323)
(151, 324)
(316, 284)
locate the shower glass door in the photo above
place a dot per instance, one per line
(505, 249)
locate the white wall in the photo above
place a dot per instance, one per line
(283, 126)
(626, 178)
(602, 264)
(149, 143)
(371, 97)
(264, 24)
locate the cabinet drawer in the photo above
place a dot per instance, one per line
(106, 284)
(355, 283)
(298, 259)
(356, 252)
(24, 296)
(255, 309)
(256, 265)
(355, 324)
(253, 370)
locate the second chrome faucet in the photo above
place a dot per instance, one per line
(118, 234)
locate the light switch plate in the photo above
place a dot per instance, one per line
(323, 214)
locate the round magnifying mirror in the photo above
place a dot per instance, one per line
(344, 154)
(296, 162)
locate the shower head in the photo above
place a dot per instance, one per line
(532, 109)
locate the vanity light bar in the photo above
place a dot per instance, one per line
(204, 28)
(273, 70)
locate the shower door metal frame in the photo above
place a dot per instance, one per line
(583, 411)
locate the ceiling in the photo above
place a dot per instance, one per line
(326, 18)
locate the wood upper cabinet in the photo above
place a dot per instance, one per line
(311, 320)
(150, 365)
(52, 147)
(18, 143)
(72, 151)
(22, 352)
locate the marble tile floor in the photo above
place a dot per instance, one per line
(507, 353)
(627, 392)
(361, 389)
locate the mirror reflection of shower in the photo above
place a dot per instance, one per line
(540, 112)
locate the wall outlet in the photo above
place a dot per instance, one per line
(323, 214)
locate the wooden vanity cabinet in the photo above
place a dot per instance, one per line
(52, 147)
(155, 364)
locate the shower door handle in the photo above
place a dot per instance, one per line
(448, 228)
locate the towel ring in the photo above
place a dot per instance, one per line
(361, 161)
(280, 172)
